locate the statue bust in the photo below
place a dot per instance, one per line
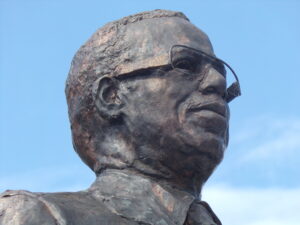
(148, 107)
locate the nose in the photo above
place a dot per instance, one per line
(213, 83)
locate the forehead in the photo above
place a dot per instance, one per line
(148, 42)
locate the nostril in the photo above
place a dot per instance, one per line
(210, 90)
(214, 90)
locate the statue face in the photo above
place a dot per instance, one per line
(179, 111)
(170, 103)
(179, 108)
(174, 107)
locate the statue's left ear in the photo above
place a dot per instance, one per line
(106, 97)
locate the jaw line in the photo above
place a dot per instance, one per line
(190, 147)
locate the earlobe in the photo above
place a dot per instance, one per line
(106, 97)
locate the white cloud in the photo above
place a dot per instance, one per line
(238, 206)
(287, 143)
(268, 138)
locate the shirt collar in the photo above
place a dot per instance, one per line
(141, 199)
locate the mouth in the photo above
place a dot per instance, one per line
(211, 117)
(216, 107)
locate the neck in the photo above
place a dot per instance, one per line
(169, 184)
(174, 163)
(191, 184)
(172, 169)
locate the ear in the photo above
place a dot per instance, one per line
(106, 97)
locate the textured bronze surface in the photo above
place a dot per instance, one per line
(152, 131)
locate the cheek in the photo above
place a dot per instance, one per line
(184, 104)
(155, 85)
(148, 104)
(157, 100)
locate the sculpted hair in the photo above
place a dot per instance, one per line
(99, 56)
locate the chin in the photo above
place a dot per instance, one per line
(204, 143)
(212, 145)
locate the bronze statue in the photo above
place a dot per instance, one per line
(148, 108)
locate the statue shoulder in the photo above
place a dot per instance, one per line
(62, 208)
(24, 207)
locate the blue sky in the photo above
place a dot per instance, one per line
(259, 180)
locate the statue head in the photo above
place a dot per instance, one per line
(146, 93)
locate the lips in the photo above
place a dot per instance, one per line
(216, 107)
(211, 117)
